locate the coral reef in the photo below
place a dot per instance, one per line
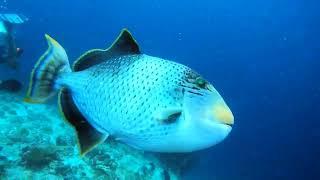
(36, 143)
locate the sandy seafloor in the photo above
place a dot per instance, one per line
(36, 143)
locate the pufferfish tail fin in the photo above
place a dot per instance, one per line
(51, 64)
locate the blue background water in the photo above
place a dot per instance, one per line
(263, 56)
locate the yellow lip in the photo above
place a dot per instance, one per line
(223, 114)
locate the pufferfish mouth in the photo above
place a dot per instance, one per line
(223, 114)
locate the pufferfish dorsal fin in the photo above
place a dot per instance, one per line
(125, 44)
(169, 115)
(88, 136)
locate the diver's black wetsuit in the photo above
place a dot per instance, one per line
(8, 54)
(8, 49)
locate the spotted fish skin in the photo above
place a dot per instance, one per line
(122, 96)
(147, 102)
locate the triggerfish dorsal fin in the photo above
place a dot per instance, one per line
(88, 136)
(125, 44)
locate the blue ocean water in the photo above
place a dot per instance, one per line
(262, 56)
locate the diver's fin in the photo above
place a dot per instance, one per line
(123, 45)
(169, 115)
(88, 136)
(13, 18)
(50, 65)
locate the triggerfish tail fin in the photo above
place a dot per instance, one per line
(51, 64)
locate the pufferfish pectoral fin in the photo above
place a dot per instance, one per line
(88, 136)
(125, 44)
(169, 115)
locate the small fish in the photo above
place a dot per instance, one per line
(149, 103)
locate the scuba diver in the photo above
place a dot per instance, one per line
(9, 52)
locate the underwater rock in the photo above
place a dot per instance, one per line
(19, 135)
(62, 141)
(149, 167)
(37, 158)
(3, 158)
(166, 175)
(179, 161)
(10, 85)
(63, 171)
(2, 171)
